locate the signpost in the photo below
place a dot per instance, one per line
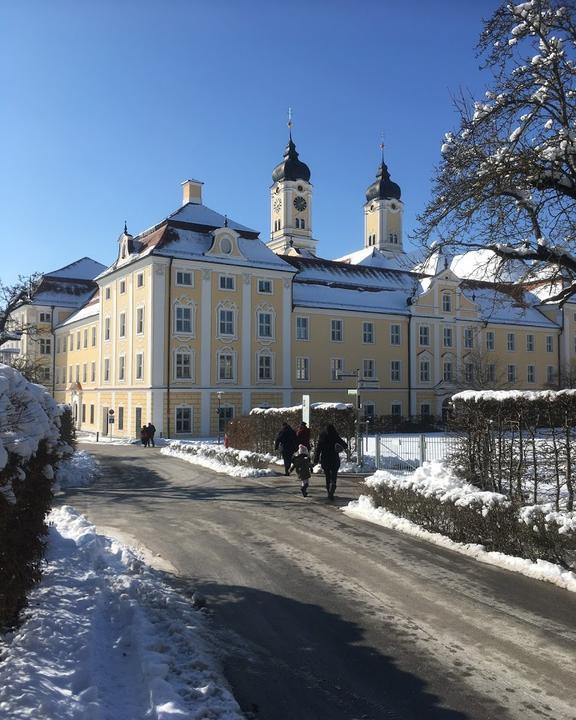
(306, 409)
(357, 404)
(110, 420)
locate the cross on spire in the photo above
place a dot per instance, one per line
(290, 121)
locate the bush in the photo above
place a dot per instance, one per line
(226, 456)
(30, 447)
(258, 430)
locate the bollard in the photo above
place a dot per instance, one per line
(97, 436)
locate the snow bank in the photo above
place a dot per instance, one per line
(365, 509)
(77, 470)
(238, 463)
(104, 636)
(505, 395)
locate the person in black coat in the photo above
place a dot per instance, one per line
(327, 452)
(287, 442)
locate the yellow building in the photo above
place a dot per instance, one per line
(198, 314)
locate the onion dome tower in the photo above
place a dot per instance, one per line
(383, 212)
(291, 203)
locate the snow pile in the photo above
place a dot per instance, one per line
(505, 395)
(298, 408)
(535, 514)
(89, 438)
(77, 470)
(365, 509)
(28, 416)
(105, 637)
(435, 480)
(238, 463)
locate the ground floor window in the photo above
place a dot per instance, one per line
(120, 418)
(91, 414)
(425, 410)
(183, 420)
(396, 409)
(83, 412)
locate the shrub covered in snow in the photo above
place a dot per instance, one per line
(242, 463)
(258, 430)
(30, 447)
(505, 449)
(437, 500)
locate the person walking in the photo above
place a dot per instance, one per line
(151, 431)
(301, 463)
(144, 436)
(303, 435)
(328, 449)
(287, 442)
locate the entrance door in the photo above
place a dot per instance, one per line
(104, 421)
(138, 421)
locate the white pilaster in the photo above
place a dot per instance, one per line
(157, 326)
(246, 332)
(206, 332)
(287, 334)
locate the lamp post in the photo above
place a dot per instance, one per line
(219, 413)
(359, 385)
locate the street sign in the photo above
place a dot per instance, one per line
(110, 412)
(306, 409)
(352, 392)
(111, 420)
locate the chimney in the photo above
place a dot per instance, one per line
(192, 192)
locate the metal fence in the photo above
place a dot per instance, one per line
(406, 452)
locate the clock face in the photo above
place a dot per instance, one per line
(300, 203)
(277, 204)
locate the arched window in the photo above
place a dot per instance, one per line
(302, 223)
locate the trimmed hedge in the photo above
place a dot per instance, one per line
(499, 528)
(258, 431)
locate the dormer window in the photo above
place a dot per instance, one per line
(446, 302)
(225, 246)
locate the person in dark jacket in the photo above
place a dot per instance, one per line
(144, 437)
(301, 463)
(303, 435)
(287, 442)
(151, 432)
(328, 449)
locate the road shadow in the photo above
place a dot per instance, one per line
(289, 660)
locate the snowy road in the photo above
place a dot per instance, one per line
(326, 617)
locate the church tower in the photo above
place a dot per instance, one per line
(291, 204)
(383, 213)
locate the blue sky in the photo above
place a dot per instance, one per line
(107, 105)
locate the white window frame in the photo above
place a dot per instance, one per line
(531, 374)
(395, 404)
(270, 356)
(447, 337)
(93, 339)
(107, 330)
(424, 368)
(448, 371)
(549, 343)
(140, 316)
(370, 365)
(446, 301)
(122, 287)
(106, 378)
(550, 374)
(302, 369)
(189, 307)
(139, 366)
(424, 331)
(224, 353)
(368, 332)
(490, 340)
(224, 280)
(232, 308)
(182, 275)
(122, 325)
(122, 367)
(395, 371)
(336, 368)
(261, 286)
(140, 279)
(178, 410)
(336, 328)
(511, 342)
(302, 322)
(259, 314)
(183, 352)
(395, 335)
(469, 338)
(530, 343)
(93, 371)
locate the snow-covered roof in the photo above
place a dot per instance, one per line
(373, 257)
(83, 269)
(90, 310)
(503, 308)
(330, 284)
(193, 245)
(197, 214)
(485, 265)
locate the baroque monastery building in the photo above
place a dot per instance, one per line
(198, 313)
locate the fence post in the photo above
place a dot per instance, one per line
(378, 452)
(422, 449)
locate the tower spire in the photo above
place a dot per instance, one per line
(290, 122)
(382, 146)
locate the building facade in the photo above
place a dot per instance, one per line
(198, 314)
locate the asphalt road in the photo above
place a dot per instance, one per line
(326, 617)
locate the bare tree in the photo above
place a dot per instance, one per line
(11, 298)
(507, 180)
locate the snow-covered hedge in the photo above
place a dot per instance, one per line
(437, 500)
(241, 463)
(31, 445)
(518, 443)
(258, 430)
